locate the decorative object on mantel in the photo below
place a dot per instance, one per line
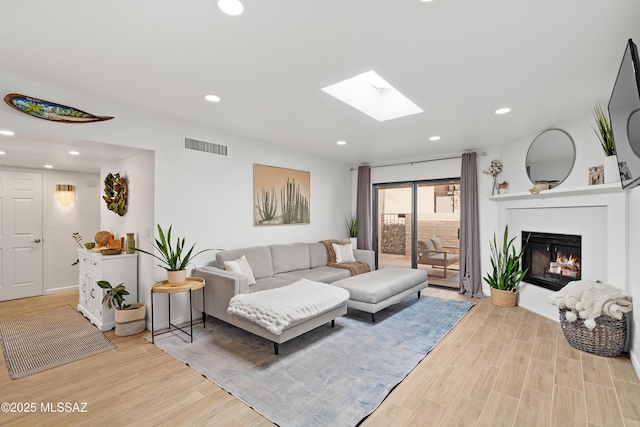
(494, 170)
(592, 316)
(507, 273)
(49, 110)
(539, 186)
(116, 192)
(596, 175)
(605, 135)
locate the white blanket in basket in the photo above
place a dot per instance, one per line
(591, 300)
(277, 309)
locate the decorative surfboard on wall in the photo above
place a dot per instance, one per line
(50, 110)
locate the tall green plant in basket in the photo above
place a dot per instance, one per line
(506, 271)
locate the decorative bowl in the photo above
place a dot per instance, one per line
(90, 245)
(111, 251)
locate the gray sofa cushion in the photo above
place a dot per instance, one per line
(291, 257)
(318, 254)
(258, 257)
(269, 283)
(379, 285)
(321, 274)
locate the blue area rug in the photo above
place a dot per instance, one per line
(326, 377)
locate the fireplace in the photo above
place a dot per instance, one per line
(553, 260)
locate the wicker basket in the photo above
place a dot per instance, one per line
(606, 339)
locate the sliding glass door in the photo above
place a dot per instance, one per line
(417, 225)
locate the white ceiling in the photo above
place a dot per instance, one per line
(458, 60)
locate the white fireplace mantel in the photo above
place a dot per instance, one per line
(561, 192)
(599, 212)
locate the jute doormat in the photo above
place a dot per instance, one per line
(36, 342)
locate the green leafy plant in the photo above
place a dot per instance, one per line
(352, 225)
(604, 132)
(505, 264)
(78, 238)
(114, 296)
(172, 258)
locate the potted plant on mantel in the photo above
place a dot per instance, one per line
(352, 226)
(507, 272)
(129, 317)
(605, 135)
(174, 260)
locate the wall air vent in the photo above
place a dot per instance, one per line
(203, 146)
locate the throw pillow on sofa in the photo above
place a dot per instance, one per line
(241, 266)
(344, 253)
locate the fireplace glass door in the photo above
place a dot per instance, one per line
(553, 260)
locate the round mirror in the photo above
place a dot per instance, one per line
(550, 157)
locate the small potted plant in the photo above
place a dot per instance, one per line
(507, 272)
(352, 226)
(173, 259)
(129, 317)
(605, 135)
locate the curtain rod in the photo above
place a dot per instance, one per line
(420, 161)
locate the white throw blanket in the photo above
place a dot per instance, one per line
(590, 300)
(277, 309)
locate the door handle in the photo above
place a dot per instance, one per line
(37, 241)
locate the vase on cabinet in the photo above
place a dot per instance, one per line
(130, 243)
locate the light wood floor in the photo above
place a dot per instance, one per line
(497, 367)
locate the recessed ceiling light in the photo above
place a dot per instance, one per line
(48, 167)
(74, 153)
(434, 138)
(341, 142)
(2, 153)
(212, 98)
(503, 110)
(6, 132)
(231, 7)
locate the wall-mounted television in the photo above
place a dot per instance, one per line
(624, 112)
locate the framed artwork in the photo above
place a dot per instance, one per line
(596, 175)
(280, 196)
(49, 110)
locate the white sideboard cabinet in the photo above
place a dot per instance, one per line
(115, 269)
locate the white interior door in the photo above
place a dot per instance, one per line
(20, 234)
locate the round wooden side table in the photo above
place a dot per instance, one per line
(164, 287)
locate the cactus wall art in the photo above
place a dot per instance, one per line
(281, 196)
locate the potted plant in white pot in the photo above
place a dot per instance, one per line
(605, 135)
(506, 271)
(352, 226)
(173, 259)
(129, 317)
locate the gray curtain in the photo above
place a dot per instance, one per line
(363, 208)
(470, 276)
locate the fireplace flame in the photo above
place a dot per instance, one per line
(568, 266)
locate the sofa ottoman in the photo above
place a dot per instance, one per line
(378, 289)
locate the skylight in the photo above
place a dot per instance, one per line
(372, 95)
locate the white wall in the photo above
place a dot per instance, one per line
(82, 216)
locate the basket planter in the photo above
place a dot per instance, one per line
(130, 321)
(504, 298)
(606, 339)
